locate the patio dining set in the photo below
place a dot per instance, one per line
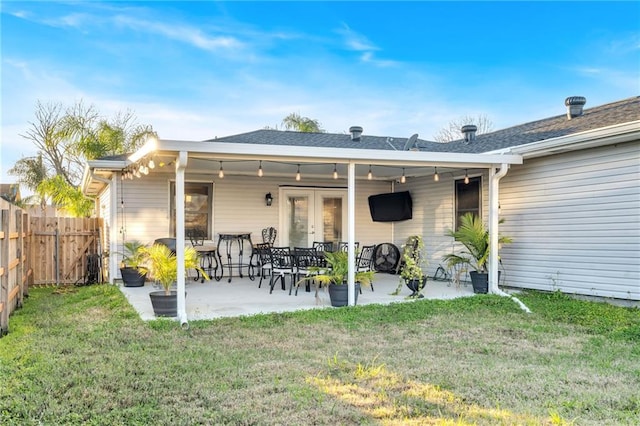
(235, 251)
(294, 264)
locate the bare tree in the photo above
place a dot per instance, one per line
(294, 121)
(452, 131)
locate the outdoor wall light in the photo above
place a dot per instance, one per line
(268, 199)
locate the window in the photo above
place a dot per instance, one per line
(468, 198)
(197, 207)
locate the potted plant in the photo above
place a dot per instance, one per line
(132, 271)
(163, 266)
(473, 235)
(413, 265)
(335, 274)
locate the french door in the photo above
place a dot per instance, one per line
(312, 214)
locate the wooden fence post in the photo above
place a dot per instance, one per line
(4, 277)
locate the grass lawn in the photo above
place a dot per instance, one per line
(83, 356)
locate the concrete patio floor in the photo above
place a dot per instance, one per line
(217, 299)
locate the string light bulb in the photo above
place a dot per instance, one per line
(335, 171)
(466, 176)
(403, 178)
(369, 175)
(221, 172)
(260, 172)
(298, 177)
(436, 177)
(152, 164)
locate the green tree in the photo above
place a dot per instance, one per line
(65, 140)
(294, 121)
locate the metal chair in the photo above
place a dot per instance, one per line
(169, 242)
(269, 235)
(323, 246)
(305, 259)
(261, 250)
(206, 252)
(281, 266)
(344, 245)
(364, 261)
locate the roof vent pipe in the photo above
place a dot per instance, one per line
(574, 106)
(469, 132)
(356, 132)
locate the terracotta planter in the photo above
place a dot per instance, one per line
(133, 277)
(339, 294)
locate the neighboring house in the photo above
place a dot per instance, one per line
(570, 196)
(10, 192)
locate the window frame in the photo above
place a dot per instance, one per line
(458, 185)
(209, 209)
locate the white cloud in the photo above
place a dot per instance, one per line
(182, 33)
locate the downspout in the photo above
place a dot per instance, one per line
(181, 165)
(351, 231)
(494, 179)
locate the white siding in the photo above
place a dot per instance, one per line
(575, 222)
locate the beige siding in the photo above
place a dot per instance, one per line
(238, 205)
(575, 221)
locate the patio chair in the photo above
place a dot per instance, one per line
(305, 259)
(281, 266)
(269, 235)
(207, 253)
(343, 245)
(323, 246)
(364, 261)
(169, 242)
(261, 250)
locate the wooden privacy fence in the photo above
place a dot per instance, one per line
(66, 250)
(14, 274)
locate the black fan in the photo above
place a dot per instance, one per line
(386, 257)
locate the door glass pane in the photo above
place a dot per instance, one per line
(332, 220)
(298, 220)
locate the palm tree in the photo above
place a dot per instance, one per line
(294, 121)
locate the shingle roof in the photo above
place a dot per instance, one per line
(622, 111)
(601, 116)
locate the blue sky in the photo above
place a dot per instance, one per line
(196, 70)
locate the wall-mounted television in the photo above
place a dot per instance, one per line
(391, 207)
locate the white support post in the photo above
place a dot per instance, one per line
(493, 229)
(181, 165)
(351, 231)
(115, 226)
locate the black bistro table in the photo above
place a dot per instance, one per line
(226, 243)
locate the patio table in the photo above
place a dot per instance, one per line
(226, 242)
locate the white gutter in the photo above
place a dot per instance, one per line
(494, 179)
(181, 165)
(300, 154)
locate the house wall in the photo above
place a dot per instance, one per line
(238, 205)
(433, 214)
(575, 222)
